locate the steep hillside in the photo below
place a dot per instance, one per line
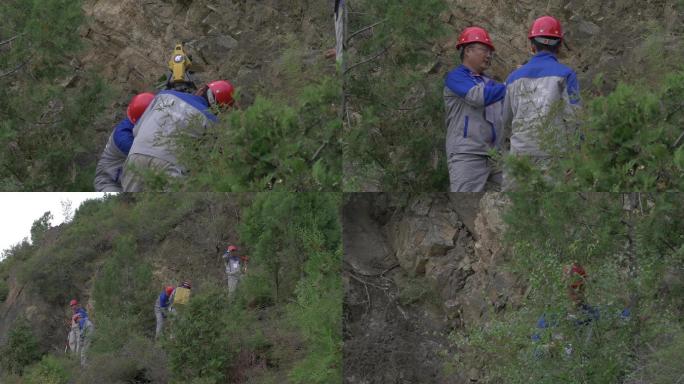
(450, 288)
(116, 256)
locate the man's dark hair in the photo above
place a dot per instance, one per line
(545, 47)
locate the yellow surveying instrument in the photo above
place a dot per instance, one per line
(180, 78)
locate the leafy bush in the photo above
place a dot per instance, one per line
(626, 270)
(268, 145)
(125, 287)
(39, 227)
(137, 360)
(206, 336)
(395, 137)
(272, 226)
(50, 370)
(43, 123)
(317, 312)
(22, 348)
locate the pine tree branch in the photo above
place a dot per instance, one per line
(382, 52)
(363, 30)
(678, 142)
(318, 151)
(11, 39)
(17, 68)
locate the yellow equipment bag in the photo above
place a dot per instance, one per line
(181, 296)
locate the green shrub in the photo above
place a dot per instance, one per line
(137, 360)
(257, 289)
(272, 226)
(395, 139)
(662, 365)
(268, 145)
(317, 312)
(47, 126)
(546, 232)
(50, 370)
(204, 337)
(123, 296)
(21, 349)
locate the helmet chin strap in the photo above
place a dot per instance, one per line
(210, 97)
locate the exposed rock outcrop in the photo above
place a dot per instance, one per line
(435, 261)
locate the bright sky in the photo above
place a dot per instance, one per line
(21, 209)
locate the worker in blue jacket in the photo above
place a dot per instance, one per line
(473, 104)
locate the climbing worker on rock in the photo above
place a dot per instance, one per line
(171, 113)
(79, 313)
(473, 104)
(580, 316)
(234, 268)
(582, 312)
(161, 309)
(542, 100)
(180, 296)
(110, 166)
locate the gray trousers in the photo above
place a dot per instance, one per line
(473, 173)
(161, 316)
(233, 281)
(74, 338)
(86, 338)
(132, 181)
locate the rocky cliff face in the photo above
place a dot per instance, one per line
(612, 38)
(243, 41)
(417, 268)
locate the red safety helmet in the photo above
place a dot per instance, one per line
(73, 302)
(546, 26)
(138, 105)
(169, 290)
(220, 92)
(474, 35)
(576, 269)
(232, 248)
